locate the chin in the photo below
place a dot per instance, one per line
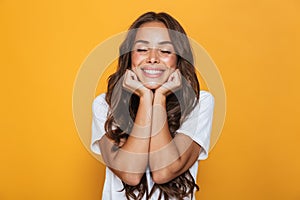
(152, 86)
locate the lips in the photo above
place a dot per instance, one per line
(152, 72)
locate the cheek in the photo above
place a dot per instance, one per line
(170, 62)
(135, 59)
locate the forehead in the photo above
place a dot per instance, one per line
(153, 32)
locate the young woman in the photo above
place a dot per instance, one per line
(154, 122)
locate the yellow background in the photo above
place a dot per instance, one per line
(255, 45)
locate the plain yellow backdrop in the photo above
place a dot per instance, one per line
(255, 45)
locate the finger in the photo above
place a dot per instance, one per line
(134, 69)
(134, 76)
(129, 78)
(126, 75)
(126, 79)
(177, 76)
(177, 72)
(171, 77)
(174, 76)
(129, 74)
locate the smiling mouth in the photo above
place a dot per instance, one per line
(153, 73)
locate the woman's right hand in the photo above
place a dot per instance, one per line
(132, 84)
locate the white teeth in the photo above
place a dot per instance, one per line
(152, 71)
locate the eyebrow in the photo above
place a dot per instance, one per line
(147, 42)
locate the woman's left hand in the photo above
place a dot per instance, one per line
(173, 83)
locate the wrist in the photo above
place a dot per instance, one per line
(159, 98)
(146, 95)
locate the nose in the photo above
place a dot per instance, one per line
(153, 57)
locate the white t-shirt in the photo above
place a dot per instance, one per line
(197, 126)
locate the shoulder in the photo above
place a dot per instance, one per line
(99, 103)
(205, 103)
(206, 96)
(206, 99)
(100, 99)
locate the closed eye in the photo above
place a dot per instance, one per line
(142, 50)
(165, 51)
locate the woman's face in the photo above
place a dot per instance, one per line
(153, 57)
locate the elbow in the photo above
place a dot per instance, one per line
(132, 179)
(166, 174)
(161, 176)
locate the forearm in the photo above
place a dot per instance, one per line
(131, 159)
(163, 150)
(169, 157)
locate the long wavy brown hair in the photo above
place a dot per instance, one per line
(179, 104)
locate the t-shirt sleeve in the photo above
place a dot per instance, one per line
(199, 123)
(99, 110)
